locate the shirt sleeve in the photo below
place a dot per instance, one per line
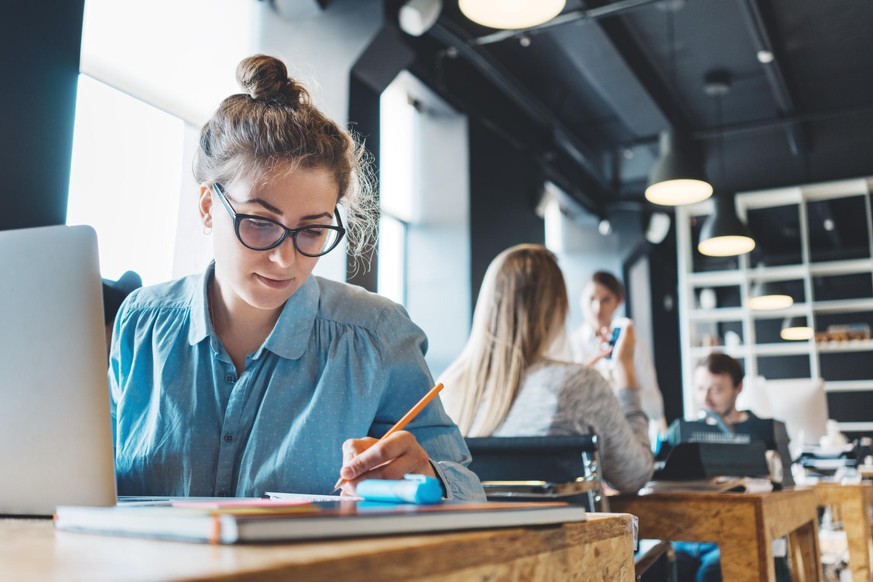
(621, 426)
(406, 380)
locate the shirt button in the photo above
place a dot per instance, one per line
(230, 378)
(228, 438)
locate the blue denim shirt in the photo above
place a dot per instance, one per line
(340, 363)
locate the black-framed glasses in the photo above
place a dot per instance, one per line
(262, 234)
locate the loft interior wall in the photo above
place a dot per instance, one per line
(505, 185)
(40, 61)
(321, 50)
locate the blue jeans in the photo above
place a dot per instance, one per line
(697, 562)
(701, 562)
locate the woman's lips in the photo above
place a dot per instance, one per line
(274, 283)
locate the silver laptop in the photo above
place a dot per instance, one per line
(54, 402)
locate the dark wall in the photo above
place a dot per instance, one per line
(664, 280)
(504, 187)
(39, 64)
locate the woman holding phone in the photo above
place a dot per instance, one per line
(504, 383)
(601, 299)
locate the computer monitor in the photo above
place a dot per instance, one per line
(54, 399)
(802, 405)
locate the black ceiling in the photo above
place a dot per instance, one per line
(588, 97)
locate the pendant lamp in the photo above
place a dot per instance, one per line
(677, 177)
(511, 14)
(795, 329)
(724, 234)
(768, 295)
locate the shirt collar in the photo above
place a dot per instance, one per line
(291, 334)
(201, 325)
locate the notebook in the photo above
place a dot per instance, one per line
(54, 400)
(237, 523)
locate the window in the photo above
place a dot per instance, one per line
(126, 173)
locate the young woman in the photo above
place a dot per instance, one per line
(600, 300)
(504, 385)
(257, 376)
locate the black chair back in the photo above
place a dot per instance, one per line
(538, 468)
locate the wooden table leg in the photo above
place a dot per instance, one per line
(742, 556)
(857, 526)
(804, 558)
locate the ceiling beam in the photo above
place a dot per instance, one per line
(453, 37)
(761, 37)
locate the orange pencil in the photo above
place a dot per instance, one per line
(407, 418)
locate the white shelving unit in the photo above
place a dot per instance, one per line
(692, 315)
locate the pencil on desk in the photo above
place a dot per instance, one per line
(406, 419)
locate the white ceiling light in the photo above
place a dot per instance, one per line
(511, 14)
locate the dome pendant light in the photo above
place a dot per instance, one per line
(723, 234)
(768, 295)
(795, 329)
(511, 14)
(677, 177)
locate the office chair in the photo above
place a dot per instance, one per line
(556, 468)
(537, 468)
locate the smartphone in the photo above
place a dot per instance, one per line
(613, 337)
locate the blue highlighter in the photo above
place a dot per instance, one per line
(413, 488)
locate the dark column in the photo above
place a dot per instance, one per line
(505, 185)
(39, 64)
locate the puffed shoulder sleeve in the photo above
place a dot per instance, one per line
(406, 378)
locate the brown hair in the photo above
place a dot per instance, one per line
(609, 281)
(275, 125)
(522, 297)
(718, 363)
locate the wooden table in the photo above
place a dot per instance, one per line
(743, 524)
(598, 549)
(852, 505)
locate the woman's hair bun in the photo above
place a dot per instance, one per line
(265, 78)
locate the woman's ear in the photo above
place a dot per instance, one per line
(204, 205)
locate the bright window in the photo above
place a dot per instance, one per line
(125, 180)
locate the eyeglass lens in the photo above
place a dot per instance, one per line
(263, 234)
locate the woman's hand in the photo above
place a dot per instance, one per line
(623, 354)
(389, 458)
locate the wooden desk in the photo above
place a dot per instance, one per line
(852, 505)
(598, 549)
(743, 524)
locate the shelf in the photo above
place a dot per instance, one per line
(722, 314)
(845, 346)
(801, 348)
(701, 352)
(842, 306)
(852, 267)
(849, 386)
(716, 278)
(795, 309)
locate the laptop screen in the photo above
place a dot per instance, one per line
(54, 400)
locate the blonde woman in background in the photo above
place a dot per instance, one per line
(503, 384)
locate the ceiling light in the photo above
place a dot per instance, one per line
(511, 14)
(677, 177)
(724, 234)
(795, 329)
(768, 295)
(417, 16)
(658, 228)
(765, 57)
